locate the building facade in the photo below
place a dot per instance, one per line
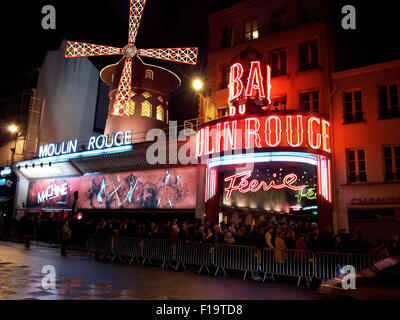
(366, 147)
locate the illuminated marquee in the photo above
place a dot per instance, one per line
(255, 86)
(239, 182)
(95, 143)
(294, 131)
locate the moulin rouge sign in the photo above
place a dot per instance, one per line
(294, 131)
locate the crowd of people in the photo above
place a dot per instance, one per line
(278, 233)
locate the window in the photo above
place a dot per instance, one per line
(146, 95)
(251, 30)
(308, 55)
(309, 101)
(160, 113)
(307, 10)
(278, 62)
(278, 19)
(149, 74)
(391, 156)
(389, 101)
(279, 103)
(227, 37)
(160, 99)
(146, 109)
(224, 77)
(353, 106)
(356, 169)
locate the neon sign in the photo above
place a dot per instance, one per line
(265, 132)
(255, 86)
(5, 172)
(310, 194)
(95, 143)
(245, 186)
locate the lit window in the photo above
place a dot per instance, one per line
(124, 110)
(149, 74)
(251, 30)
(160, 99)
(160, 113)
(146, 95)
(146, 109)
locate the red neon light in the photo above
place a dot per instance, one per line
(232, 111)
(199, 143)
(311, 133)
(218, 138)
(325, 136)
(269, 132)
(255, 80)
(329, 181)
(269, 84)
(207, 140)
(250, 132)
(235, 84)
(255, 185)
(299, 131)
(230, 136)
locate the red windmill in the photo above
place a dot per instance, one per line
(123, 95)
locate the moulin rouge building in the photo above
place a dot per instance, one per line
(251, 155)
(264, 143)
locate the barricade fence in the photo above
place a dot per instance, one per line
(270, 262)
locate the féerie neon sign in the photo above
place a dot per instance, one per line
(239, 182)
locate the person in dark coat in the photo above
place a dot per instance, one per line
(394, 246)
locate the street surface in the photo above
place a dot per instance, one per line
(81, 277)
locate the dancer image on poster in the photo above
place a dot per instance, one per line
(164, 186)
(102, 189)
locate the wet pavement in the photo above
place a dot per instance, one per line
(81, 277)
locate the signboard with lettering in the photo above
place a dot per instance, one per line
(166, 189)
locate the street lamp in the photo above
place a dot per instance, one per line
(13, 128)
(198, 84)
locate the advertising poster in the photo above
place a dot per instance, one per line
(152, 189)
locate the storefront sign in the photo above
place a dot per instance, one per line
(95, 143)
(5, 171)
(294, 131)
(375, 201)
(239, 182)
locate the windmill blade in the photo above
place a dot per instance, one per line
(183, 55)
(80, 49)
(135, 15)
(123, 105)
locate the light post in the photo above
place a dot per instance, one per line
(14, 129)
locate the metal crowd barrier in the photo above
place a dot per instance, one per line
(235, 257)
(125, 247)
(99, 245)
(158, 249)
(194, 253)
(286, 262)
(328, 265)
(294, 263)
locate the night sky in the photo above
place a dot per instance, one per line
(168, 23)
